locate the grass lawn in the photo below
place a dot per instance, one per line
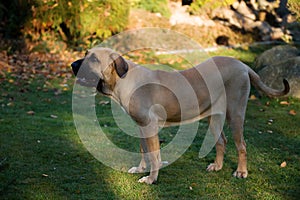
(42, 156)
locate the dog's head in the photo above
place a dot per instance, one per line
(100, 68)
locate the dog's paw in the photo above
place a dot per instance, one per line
(147, 179)
(213, 167)
(134, 170)
(240, 174)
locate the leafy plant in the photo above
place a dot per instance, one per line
(294, 6)
(78, 20)
(72, 21)
(159, 6)
(197, 5)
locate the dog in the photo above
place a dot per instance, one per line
(139, 90)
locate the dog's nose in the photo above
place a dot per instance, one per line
(76, 65)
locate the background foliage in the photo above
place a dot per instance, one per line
(73, 20)
(13, 16)
(294, 6)
(158, 6)
(196, 6)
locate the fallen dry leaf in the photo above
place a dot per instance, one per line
(270, 121)
(31, 112)
(10, 104)
(283, 164)
(53, 116)
(284, 103)
(252, 97)
(292, 112)
(104, 102)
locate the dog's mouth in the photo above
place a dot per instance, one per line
(87, 82)
(98, 84)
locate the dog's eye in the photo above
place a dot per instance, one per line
(93, 58)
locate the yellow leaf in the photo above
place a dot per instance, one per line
(53, 116)
(31, 112)
(284, 103)
(252, 97)
(283, 164)
(292, 112)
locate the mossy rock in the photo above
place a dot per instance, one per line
(289, 69)
(275, 55)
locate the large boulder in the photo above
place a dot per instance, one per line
(288, 68)
(275, 55)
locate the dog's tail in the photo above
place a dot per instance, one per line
(258, 84)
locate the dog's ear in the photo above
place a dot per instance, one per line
(120, 65)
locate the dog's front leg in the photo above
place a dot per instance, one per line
(143, 165)
(153, 153)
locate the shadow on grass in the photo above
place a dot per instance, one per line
(41, 154)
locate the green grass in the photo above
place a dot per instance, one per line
(42, 157)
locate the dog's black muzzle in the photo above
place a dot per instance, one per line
(76, 66)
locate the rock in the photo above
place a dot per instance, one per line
(254, 4)
(180, 15)
(263, 28)
(243, 9)
(267, 20)
(277, 33)
(275, 55)
(242, 17)
(227, 15)
(280, 62)
(267, 5)
(294, 30)
(289, 69)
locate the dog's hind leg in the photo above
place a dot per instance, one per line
(236, 125)
(217, 131)
(236, 110)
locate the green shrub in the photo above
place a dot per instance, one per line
(294, 6)
(154, 6)
(78, 20)
(73, 21)
(197, 5)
